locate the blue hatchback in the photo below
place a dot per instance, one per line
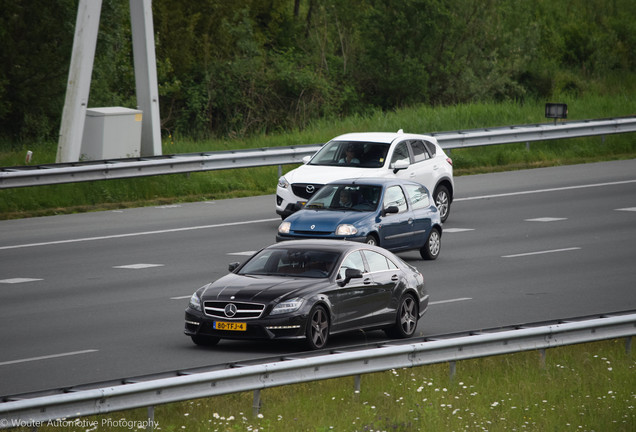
(392, 213)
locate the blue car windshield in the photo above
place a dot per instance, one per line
(291, 262)
(351, 153)
(348, 197)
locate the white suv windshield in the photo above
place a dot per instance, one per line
(352, 153)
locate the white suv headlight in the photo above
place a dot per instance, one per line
(283, 183)
(346, 229)
(284, 227)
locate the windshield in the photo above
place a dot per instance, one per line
(291, 262)
(351, 153)
(364, 198)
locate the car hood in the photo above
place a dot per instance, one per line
(325, 220)
(326, 174)
(260, 289)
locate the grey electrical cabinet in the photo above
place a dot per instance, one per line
(111, 133)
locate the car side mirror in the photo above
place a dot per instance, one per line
(350, 274)
(306, 159)
(390, 209)
(399, 165)
(298, 206)
(233, 266)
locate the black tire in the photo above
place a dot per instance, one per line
(406, 318)
(205, 340)
(317, 331)
(372, 240)
(442, 201)
(432, 247)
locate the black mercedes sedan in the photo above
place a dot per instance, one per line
(308, 290)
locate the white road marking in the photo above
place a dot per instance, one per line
(138, 234)
(18, 280)
(456, 230)
(450, 301)
(181, 297)
(52, 356)
(138, 266)
(247, 253)
(546, 219)
(633, 209)
(541, 252)
(278, 219)
(545, 190)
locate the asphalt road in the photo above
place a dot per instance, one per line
(100, 296)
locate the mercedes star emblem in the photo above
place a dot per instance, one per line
(230, 310)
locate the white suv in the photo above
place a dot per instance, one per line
(371, 154)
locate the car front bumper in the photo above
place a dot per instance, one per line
(284, 327)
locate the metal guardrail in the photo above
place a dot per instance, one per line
(36, 411)
(22, 176)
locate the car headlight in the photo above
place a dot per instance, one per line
(346, 229)
(195, 302)
(284, 228)
(283, 183)
(287, 306)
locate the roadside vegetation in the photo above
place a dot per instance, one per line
(619, 100)
(248, 73)
(588, 387)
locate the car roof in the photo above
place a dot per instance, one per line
(375, 181)
(381, 137)
(324, 244)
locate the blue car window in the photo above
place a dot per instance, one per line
(394, 196)
(323, 198)
(346, 197)
(352, 261)
(418, 196)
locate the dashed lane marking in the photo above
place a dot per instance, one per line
(138, 266)
(19, 280)
(541, 252)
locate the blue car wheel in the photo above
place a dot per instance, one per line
(433, 245)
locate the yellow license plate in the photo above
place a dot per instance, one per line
(231, 326)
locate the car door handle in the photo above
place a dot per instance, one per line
(410, 221)
(395, 278)
(367, 281)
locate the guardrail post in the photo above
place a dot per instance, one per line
(151, 418)
(452, 370)
(356, 384)
(628, 345)
(542, 355)
(256, 403)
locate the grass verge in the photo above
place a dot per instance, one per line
(587, 387)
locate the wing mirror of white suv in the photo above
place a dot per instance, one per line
(306, 159)
(399, 165)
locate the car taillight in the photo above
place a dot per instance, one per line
(449, 160)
